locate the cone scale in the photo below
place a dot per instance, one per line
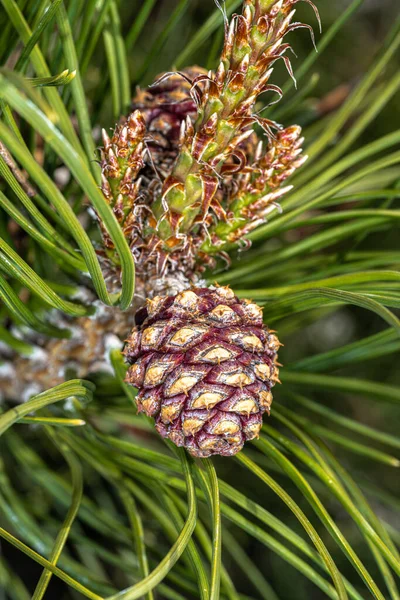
(204, 366)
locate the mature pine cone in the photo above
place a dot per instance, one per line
(204, 365)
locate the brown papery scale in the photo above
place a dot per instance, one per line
(204, 364)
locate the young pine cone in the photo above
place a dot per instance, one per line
(204, 365)
(164, 107)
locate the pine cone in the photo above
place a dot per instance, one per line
(164, 106)
(204, 365)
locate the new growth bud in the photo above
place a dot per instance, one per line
(185, 174)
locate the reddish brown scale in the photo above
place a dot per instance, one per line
(204, 365)
(165, 105)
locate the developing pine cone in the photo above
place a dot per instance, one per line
(204, 365)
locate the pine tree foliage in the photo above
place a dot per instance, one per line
(93, 503)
